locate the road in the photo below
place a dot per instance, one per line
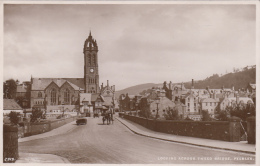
(115, 144)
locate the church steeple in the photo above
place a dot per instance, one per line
(91, 76)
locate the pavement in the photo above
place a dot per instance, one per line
(45, 158)
(241, 146)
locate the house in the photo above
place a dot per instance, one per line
(210, 105)
(251, 87)
(161, 105)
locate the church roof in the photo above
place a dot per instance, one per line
(42, 83)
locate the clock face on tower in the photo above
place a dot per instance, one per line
(91, 70)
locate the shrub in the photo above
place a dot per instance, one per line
(171, 114)
(206, 116)
(36, 115)
(14, 117)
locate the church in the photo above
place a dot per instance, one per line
(73, 94)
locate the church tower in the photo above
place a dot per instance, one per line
(91, 77)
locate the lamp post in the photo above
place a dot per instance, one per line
(62, 108)
(136, 106)
(157, 102)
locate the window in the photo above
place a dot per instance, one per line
(163, 110)
(194, 104)
(153, 110)
(67, 96)
(53, 96)
(188, 104)
(89, 59)
(188, 99)
(189, 110)
(210, 103)
(94, 59)
(40, 94)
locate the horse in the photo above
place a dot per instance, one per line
(107, 117)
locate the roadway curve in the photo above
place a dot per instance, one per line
(115, 144)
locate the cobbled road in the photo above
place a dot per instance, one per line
(115, 144)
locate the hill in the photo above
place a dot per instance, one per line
(134, 90)
(238, 80)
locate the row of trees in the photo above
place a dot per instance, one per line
(36, 116)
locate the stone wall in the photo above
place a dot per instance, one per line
(10, 144)
(217, 130)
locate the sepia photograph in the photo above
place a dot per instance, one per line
(137, 82)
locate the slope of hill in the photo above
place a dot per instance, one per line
(134, 90)
(238, 80)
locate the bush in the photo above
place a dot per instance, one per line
(36, 115)
(171, 114)
(14, 117)
(222, 116)
(206, 116)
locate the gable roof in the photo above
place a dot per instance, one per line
(10, 104)
(85, 97)
(108, 101)
(42, 83)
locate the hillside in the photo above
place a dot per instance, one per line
(238, 80)
(134, 90)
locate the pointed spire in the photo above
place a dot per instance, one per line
(90, 33)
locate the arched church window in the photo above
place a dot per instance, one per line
(40, 94)
(67, 96)
(53, 96)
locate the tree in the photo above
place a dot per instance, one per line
(243, 112)
(222, 115)
(10, 89)
(206, 116)
(171, 114)
(36, 115)
(14, 117)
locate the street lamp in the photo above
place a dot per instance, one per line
(157, 102)
(62, 109)
(136, 106)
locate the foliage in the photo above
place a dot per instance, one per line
(243, 112)
(36, 115)
(222, 115)
(145, 112)
(14, 117)
(9, 89)
(206, 116)
(171, 114)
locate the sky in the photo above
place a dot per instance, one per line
(137, 43)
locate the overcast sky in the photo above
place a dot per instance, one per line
(137, 43)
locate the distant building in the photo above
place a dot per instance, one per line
(210, 105)
(163, 104)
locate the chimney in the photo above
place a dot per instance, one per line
(223, 87)
(192, 84)
(214, 95)
(107, 83)
(114, 88)
(102, 85)
(170, 85)
(237, 99)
